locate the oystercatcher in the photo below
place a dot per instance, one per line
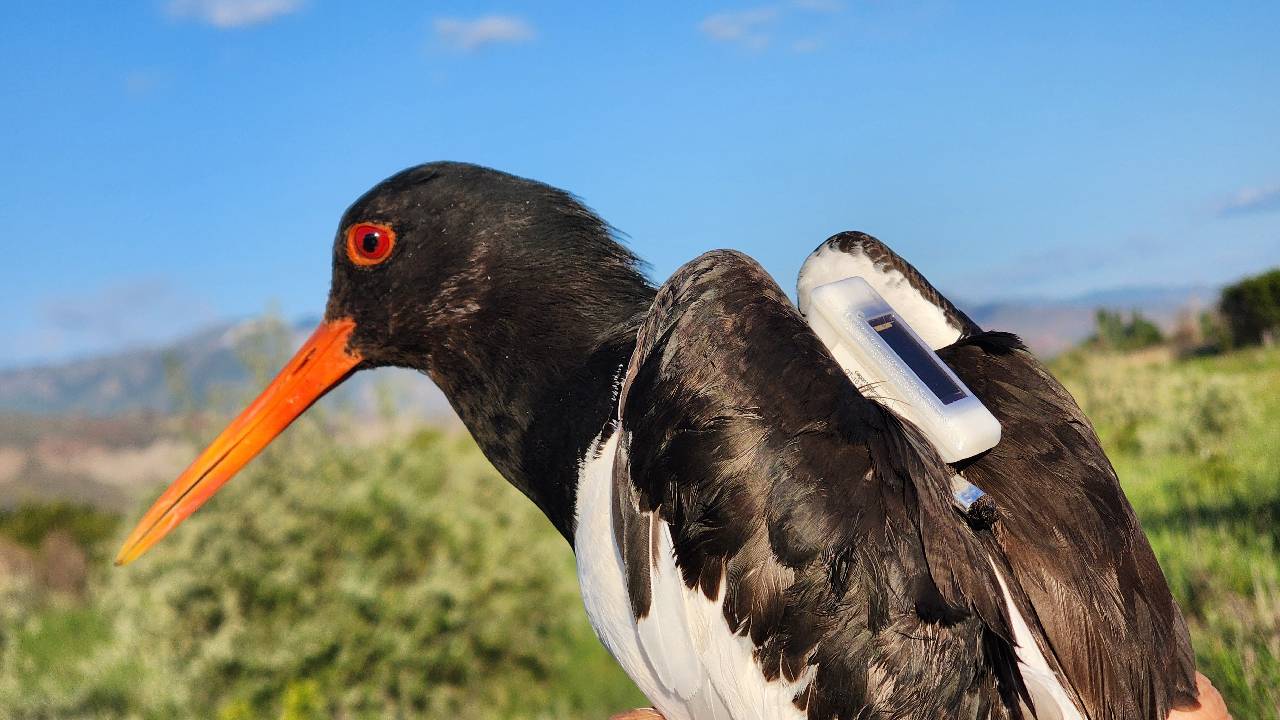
(755, 537)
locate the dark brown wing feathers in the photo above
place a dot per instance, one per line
(828, 519)
(1073, 540)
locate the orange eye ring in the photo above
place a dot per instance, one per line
(370, 243)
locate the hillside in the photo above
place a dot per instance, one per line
(103, 430)
(1050, 327)
(209, 366)
(214, 368)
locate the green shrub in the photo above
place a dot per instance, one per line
(90, 527)
(1252, 307)
(1114, 332)
(400, 581)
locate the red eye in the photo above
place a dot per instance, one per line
(369, 244)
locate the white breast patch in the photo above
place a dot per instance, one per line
(681, 655)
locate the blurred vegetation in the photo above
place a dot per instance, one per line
(404, 581)
(31, 523)
(1115, 332)
(1251, 308)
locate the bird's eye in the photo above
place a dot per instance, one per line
(369, 243)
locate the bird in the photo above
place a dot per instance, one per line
(755, 535)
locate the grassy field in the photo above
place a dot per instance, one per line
(407, 580)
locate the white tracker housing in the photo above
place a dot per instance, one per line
(890, 364)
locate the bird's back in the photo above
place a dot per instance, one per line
(787, 547)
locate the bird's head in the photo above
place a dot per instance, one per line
(447, 268)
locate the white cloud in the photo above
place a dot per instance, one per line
(227, 14)
(746, 27)
(133, 312)
(807, 45)
(754, 28)
(823, 6)
(1250, 201)
(474, 34)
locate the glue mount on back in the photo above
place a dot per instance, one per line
(891, 364)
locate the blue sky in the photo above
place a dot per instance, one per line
(172, 163)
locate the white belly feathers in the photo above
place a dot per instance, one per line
(681, 655)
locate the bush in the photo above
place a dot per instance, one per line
(88, 526)
(1252, 308)
(404, 581)
(1114, 332)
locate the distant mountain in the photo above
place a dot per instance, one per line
(108, 431)
(1150, 298)
(209, 368)
(1049, 326)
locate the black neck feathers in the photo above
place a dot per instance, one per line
(518, 301)
(535, 401)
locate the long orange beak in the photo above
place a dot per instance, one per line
(321, 363)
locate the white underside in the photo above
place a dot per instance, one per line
(681, 655)
(827, 265)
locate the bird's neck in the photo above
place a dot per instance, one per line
(538, 382)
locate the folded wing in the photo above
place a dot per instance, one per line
(801, 537)
(1084, 575)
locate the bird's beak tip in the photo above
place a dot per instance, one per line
(322, 362)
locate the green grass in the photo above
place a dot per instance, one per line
(52, 644)
(47, 669)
